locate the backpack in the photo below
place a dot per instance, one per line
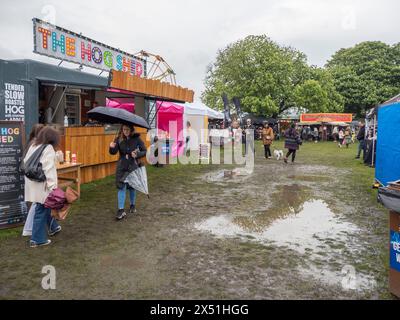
(32, 168)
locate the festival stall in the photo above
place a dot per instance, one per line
(170, 126)
(387, 174)
(387, 167)
(197, 115)
(326, 122)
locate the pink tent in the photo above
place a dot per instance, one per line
(121, 103)
(170, 121)
(127, 103)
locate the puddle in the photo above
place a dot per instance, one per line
(311, 229)
(235, 175)
(310, 178)
(347, 278)
(314, 226)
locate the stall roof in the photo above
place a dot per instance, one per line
(309, 123)
(373, 111)
(198, 108)
(52, 74)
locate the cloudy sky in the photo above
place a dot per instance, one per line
(188, 33)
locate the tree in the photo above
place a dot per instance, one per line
(366, 74)
(319, 93)
(259, 72)
(269, 79)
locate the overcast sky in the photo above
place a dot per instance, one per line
(188, 33)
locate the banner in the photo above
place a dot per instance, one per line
(14, 102)
(59, 43)
(12, 206)
(326, 117)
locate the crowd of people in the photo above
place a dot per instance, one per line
(40, 224)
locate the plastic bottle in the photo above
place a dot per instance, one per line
(67, 156)
(74, 158)
(66, 121)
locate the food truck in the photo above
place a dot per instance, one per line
(36, 92)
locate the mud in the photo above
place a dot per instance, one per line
(280, 232)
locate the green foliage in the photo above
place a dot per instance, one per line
(366, 74)
(319, 93)
(268, 79)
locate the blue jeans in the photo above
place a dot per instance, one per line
(42, 222)
(122, 196)
(361, 146)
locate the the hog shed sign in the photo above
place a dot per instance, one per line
(59, 43)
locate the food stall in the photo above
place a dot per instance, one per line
(36, 92)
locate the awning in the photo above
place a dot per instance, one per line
(309, 123)
(340, 124)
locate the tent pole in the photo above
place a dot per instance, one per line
(373, 142)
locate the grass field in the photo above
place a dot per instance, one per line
(159, 254)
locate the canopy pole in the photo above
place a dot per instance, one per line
(373, 142)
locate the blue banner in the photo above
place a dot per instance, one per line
(395, 250)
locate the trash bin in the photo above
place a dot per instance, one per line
(391, 199)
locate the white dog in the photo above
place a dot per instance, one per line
(278, 154)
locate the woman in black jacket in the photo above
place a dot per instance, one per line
(130, 148)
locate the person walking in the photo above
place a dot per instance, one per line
(361, 140)
(347, 136)
(341, 137)
(267, 137)
(292, 141)
(315, 134)
(335, 133)
(130, 148)
(37, 192)
(27, 231)
(188, 138)
(248, 134)
(237, 133)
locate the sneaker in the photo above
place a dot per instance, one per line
(27, 233)
(285, 159)
(120, 214)
(33, 244)
(52, 233)
(357, 158)
(132, 209)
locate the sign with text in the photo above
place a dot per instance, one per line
(59, 43)
(14, 102)
(12, 204)
(395, 250)
(326, 117)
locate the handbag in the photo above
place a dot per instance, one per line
(32, 168)
(62, 213)
(56, 199)
(299, 141)
(71, 195)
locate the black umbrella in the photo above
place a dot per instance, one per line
(116, 115)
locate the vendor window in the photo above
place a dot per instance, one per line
(72, 108)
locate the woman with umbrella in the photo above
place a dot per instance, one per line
(130, 148)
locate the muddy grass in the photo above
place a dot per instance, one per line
(308, 230)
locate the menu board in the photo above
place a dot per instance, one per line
(12, 205)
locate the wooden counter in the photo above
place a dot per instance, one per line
(91, 146)
(69, 168)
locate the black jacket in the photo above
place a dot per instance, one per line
(126, 163)
(361, 134)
